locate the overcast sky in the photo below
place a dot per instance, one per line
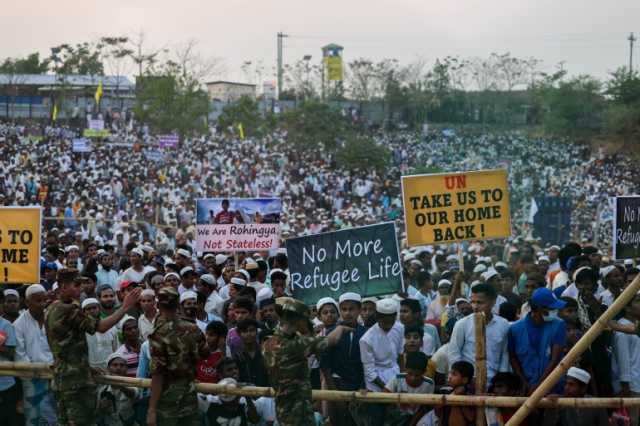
(589, 35)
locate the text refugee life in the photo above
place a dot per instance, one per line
(381, 268)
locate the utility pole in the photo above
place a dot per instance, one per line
(632, 38)
(281, 36)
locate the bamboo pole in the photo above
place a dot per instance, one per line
(481, 363)
(569, 359)
(43, 371)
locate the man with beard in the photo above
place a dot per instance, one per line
(32, 346)
(11, 305)
(105, 273)
(208, 286)
(189, 308)
(613, 281)
(268, 316)
(107, 298)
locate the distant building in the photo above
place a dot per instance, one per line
(228, 91)
(33, 95)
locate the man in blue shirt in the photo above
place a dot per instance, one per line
(537, 340)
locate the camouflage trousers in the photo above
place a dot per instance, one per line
(178, 405)
(39, 404)
(76, 407)
(295, 408)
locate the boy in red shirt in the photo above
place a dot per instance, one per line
(216, 334)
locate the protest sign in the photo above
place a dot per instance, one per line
(154, 155)
(363, 260)
(96, 124)
(237, 224)
(92, 133)
(168, 141)
(626, 228)
(450, 207)
(20, 245)
(81, 145)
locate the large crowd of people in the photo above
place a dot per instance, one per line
(119, 242)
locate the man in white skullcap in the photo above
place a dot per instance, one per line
(32, 346)
(100, 345)
(576, 386)
(380, 347)
(189, 307)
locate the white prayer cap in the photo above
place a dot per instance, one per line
(186, 295)
(281, 250)
(186, 270)
(55, 286)
(606, 270)
(67, 249)
(582, 268)
(409, 257)
(147, 292)
(171, 274)
(137, 251)
(208, 278)
(443, 283)
(11, 292)
(183, 252)
(452, 258)
(475, 283)
(238, 281)
(416, 262)
(628, 262)
(221, 259)
(350, 296)
(488, 274)
(543, 258)
(326, 301)
(557, 248)
(387, 306)
(208, 255)
(34, 289)
(461, 300)
(88, 302)
(264, 294)
(115, 355)
(501, 265)
(579, 374)
(146, 247)
(479, 268)
(245, 273)
(371, 299)
(276, 271)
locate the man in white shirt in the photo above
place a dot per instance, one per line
(462, 345)
(379, 350)
(101, 345)
(105, 273)
(32, 346)
(137, 271)
(625, 365)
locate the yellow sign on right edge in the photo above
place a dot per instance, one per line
(450, 207)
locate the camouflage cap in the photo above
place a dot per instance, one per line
(289, 304)
(168, 292)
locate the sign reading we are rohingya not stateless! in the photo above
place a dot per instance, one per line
(237, 224)
(450, 207)
(362, 260)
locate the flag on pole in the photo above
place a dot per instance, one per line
(98, 94)
(241, 131)
(54, 114)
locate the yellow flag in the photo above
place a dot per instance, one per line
(241, 131)
(54, 115)
(98, 94)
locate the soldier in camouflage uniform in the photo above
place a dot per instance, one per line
(286, 355)
(176, 344)
(66, 325)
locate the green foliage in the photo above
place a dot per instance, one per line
(245, 111)
(359, 152)
(313, 124)
(83, 59)
(32, 64)
(171, 100)
(573, 106)
(624, 87)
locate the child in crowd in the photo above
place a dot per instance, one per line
(216, 334)
(225, 410)
(411, 381)
(413, 336)
(460, 377)
(115, 403)
(503, 384)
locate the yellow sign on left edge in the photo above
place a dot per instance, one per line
(20, 245)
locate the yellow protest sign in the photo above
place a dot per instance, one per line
(449, 207)
(20, 245)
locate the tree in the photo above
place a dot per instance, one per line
(362, 153)
(143, 57)
(116, 53)
(172, 101)
(314, 125)
(32, 64)
(83, 59)
(244, 112)
(303, 79)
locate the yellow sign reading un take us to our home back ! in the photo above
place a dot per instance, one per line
(450, 207)
(20, 245)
